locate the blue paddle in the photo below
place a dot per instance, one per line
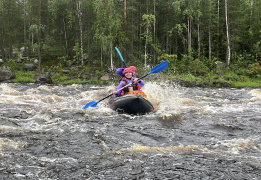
(121, 56)
(160, 67)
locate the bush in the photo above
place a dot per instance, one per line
(197, 67)
(21, 76)
(254, 70)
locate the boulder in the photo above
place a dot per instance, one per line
(224, 84)
(105, 78)
(43, 79)
(6, 75)
(66, 71)
(219, 64)
(29, 67)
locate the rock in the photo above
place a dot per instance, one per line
(66, 71)
(5, 68)
(221, 73)
(29, 67)
(105, 78)
(218, 64)
(6, 75)
(220, 83)
(1, 61)
(224, 84)
(19, 60)
(43, 79)
(24, 58)
(70, 63)
(36, 61)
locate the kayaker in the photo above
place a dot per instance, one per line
(134, 69)
(119, 71)
(128, 74)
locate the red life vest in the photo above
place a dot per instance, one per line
(126, 90)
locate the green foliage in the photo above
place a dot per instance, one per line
(197, 67)
(54, 25)
(254, 70)
(77, 49)
(59, 78)
(172, 59)
(249, 83)
(186, 65)
(21, 76)
(242, 60)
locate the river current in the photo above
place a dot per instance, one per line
(194, 133)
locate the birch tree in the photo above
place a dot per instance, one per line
(79, 13)
(227, 34)
(148, 21)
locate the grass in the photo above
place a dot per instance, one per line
(234, 80)
(21, 76)
(247, 84)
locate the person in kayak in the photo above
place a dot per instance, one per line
(134, 69)
(128, 74)
(119, 71)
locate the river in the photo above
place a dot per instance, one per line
(194, 133)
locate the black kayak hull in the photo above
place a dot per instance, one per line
(131, 104)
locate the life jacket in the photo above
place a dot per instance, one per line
(126, 90)
(138, 93)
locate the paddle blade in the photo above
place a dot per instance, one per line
(119, 53)
(90, 104)
(160, 67)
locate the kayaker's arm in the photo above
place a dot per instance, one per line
(117, 92)
(139, 82)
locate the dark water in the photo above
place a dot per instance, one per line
(195, 133)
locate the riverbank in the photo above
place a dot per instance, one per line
(103, 78)
(94, 75)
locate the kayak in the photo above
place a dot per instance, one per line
(133, 102)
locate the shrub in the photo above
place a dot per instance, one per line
(254, 70)
(21, 76)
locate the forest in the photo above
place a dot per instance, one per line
(191, 35)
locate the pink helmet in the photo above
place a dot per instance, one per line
(133, 68)
(127, 70)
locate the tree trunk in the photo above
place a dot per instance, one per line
(39, 35)
(125, 15)
(111, 40)
(25, 46)
(218, 30)
(227, 32)
(79, 3)
(189, 35)
(65, 36)
(167, 33)
(199, 38)
(251, 12)
(209, 33)
(101, 54)
(146, 41)
(2, 32)
(154, 34)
